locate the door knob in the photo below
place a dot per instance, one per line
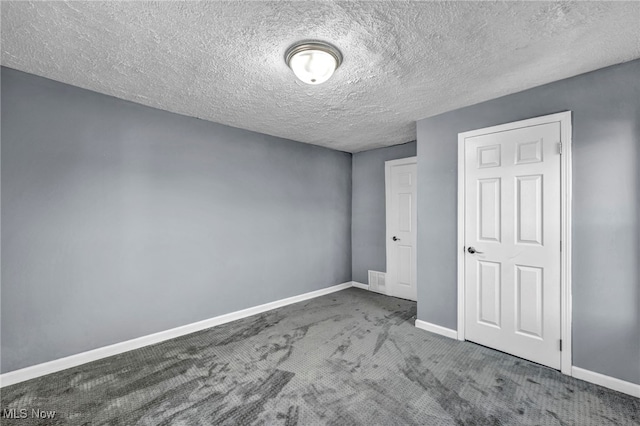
(472, 250)
(394, 238)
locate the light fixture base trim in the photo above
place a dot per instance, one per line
(303, 46)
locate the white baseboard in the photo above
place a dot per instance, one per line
(606, 381)
(360, 285)
(443, 331)
(49, 367)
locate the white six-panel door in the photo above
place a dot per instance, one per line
(401, 176)
(512, 242)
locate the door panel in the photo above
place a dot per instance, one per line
(405, 262)
(512, 220)
(529, 300)
(488, 156)
(404, 212)
(489, 282)
(489, 210)
(529, 152)
(529, 209)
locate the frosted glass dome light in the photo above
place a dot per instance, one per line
(313, 62)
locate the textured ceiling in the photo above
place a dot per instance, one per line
(223, 61)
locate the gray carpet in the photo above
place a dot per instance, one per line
(349, 358)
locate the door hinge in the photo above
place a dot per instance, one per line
(560, 245)
(560, 148)
(560, 345)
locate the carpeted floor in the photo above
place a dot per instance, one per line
(349, 358)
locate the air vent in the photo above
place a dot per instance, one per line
(377, 282)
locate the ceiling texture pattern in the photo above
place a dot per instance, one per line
(403, 61)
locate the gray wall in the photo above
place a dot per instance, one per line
(606, 209)
(368, 227)
(120, 220)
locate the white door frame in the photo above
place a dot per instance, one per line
(387, 199)
(564, 118)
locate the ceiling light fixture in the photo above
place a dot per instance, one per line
(313, 62)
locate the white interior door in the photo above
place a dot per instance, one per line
(401, 176)
(513, 241)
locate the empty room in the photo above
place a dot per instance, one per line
(320, 213)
